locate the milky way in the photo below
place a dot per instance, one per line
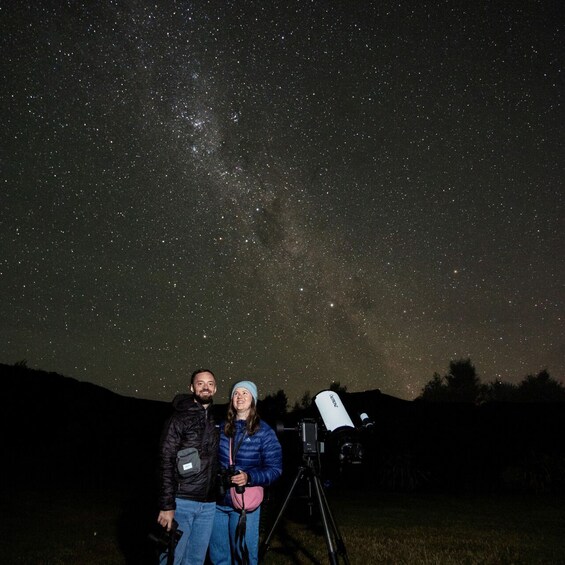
(296, 194)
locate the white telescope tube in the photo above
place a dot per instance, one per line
(333, 412)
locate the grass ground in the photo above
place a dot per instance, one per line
(403, 529)
(109, 527)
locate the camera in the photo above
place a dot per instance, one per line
(164, 539)
(232, 472)
(309, 436)
(225, 480)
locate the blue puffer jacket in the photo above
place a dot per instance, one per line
(259, 455)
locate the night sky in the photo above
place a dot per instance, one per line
(290, 192)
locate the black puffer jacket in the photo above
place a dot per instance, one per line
(189, 426)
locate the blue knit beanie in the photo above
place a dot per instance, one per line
(248, 385)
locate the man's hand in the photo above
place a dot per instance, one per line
(165, 518)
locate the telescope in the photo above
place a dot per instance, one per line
(340, 426)
(333, 412)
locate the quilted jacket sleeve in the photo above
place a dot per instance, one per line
(266, 467)
(170, 442)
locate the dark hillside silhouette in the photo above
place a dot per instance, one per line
(62, 432)
(63, 435)
(58, 430)
(460, 446)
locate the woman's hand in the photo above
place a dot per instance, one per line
(240, 479)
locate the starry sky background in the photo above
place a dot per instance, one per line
(291, 192)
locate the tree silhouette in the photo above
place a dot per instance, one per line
(335, 386)
(304, 403)
(435, 390)
(462, 381)
(461, 384)
(541, 388)
(499, 391)
(274, 406)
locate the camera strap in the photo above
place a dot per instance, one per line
(240, 537)
(172, 544)
(242, 522)
(233, 452)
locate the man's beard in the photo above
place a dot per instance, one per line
(203, 400)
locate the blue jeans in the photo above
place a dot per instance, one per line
(195, 520)
(223, 545)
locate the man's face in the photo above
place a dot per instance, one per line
(204, 387)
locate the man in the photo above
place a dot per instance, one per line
(188, 476)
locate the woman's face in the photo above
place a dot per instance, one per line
(242, 400)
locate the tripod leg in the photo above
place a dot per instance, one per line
(339, 540)
(323, 515)
(326, 516)
(267, 541)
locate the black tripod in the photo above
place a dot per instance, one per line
(334, 541)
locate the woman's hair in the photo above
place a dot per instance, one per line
(251, 423)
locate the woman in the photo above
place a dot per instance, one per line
(257, 458)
